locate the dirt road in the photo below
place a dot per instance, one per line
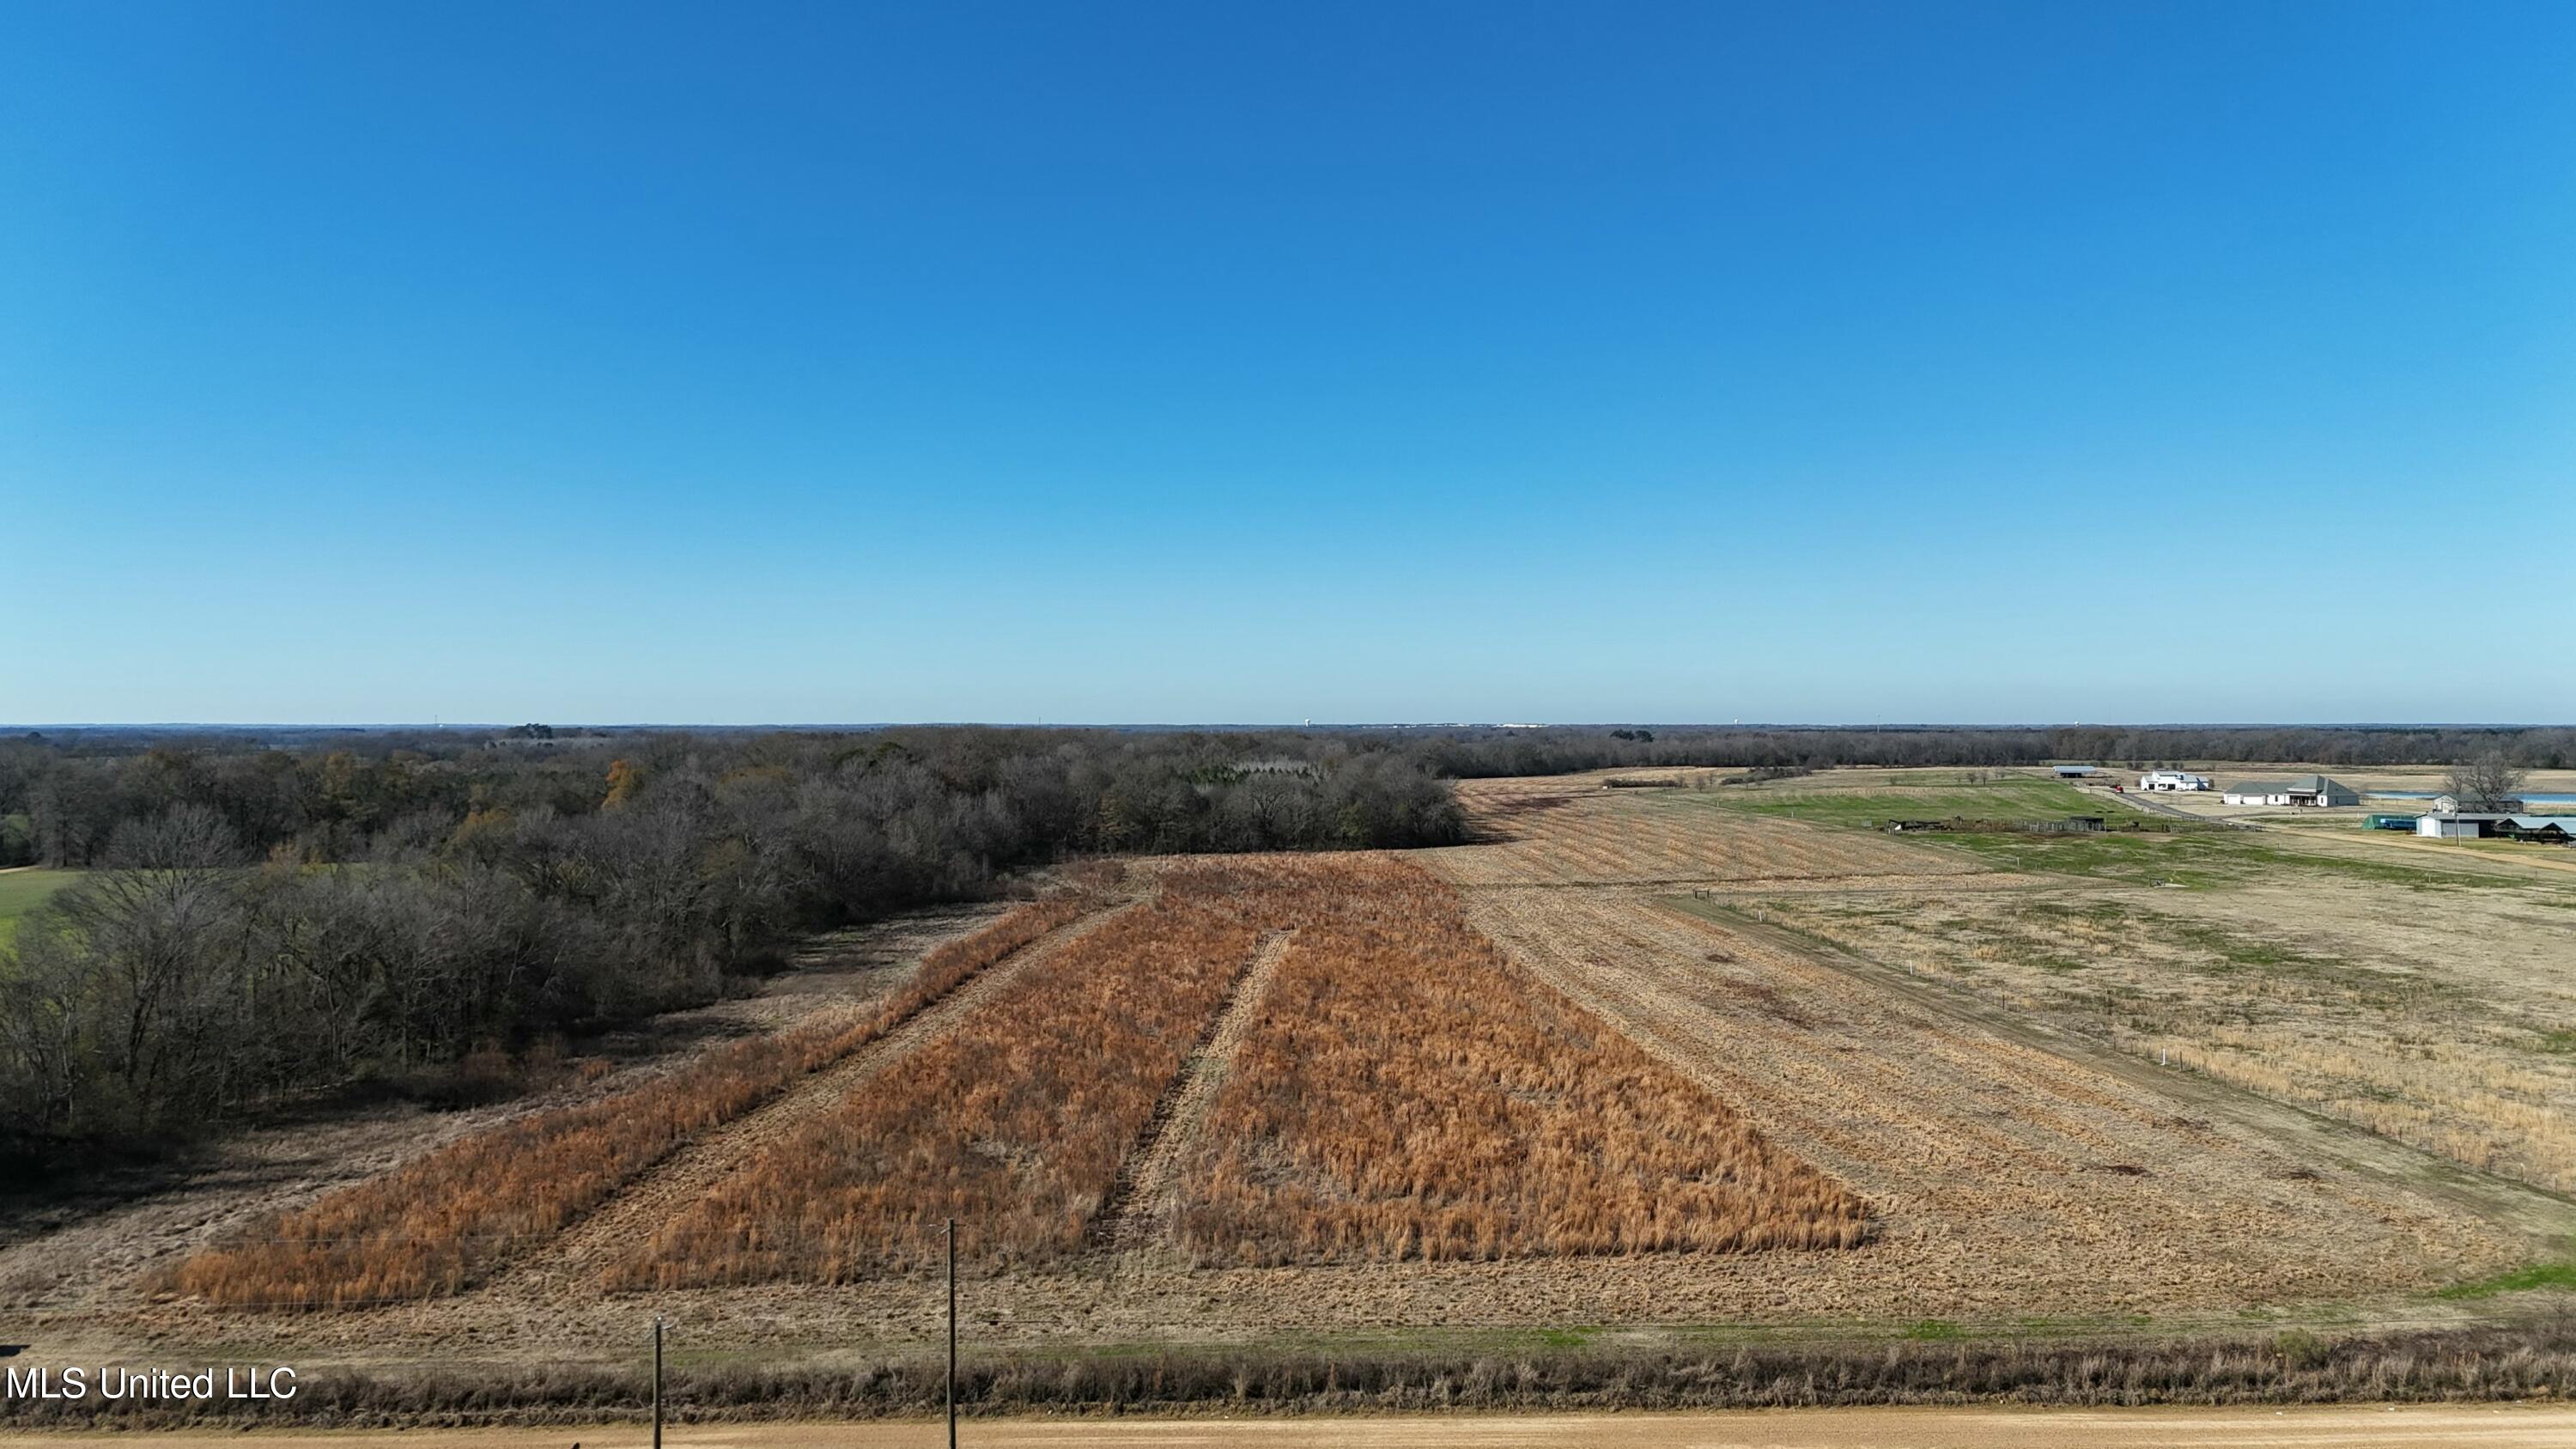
(2511, 1426)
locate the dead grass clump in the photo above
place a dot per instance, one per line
(1015, 1123)
(1407, 1093)
(438, 1224)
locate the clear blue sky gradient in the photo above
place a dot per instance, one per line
(2044, 362)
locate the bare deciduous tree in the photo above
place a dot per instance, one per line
(2487, 782)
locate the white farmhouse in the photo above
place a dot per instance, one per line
(2306, 791)
(2172, 780)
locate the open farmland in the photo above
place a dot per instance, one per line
(2443, 1021)
(1409, 1094)
(1916, 795)
(22, 889)
(1654, 1067)
(1574, 831)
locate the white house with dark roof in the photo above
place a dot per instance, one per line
(2306, 791)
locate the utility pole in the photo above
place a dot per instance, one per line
(657, 1381)
(952, 1338)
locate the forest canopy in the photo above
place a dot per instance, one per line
(256, 920)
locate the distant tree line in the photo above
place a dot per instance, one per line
(258, 921)
(1474, 753)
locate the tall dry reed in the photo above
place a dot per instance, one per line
(1406, 1092)
(1016, 1123)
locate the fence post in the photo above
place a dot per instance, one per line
(952, 1336)
(657, 1381)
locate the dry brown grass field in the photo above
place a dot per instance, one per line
(436, 1225)
(1017, 1123)
(1613, 1075)
(1407, 1093)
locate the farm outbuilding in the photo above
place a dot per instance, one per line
(2490, 825)
(2077, 772)
(2172, 780)
(2447, 804)
(2305, 791)
(2448, 825)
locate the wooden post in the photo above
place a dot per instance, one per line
(657, 1381)
(952, 1336)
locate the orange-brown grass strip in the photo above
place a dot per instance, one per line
(439, 1224)
(1015, 1123)
(1407, 1093)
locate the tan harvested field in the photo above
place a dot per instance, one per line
(1572, 830)
(1550, 1098)
(2010, 1176)
(2444, 1023)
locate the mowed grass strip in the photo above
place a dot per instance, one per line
(441, 1223)
(1408, 1093)
(1015, 1123)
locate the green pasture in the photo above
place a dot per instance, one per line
(1940, 795)
(22, 891)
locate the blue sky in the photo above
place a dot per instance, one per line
(1266, 362)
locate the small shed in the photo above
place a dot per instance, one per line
(2449, 804)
